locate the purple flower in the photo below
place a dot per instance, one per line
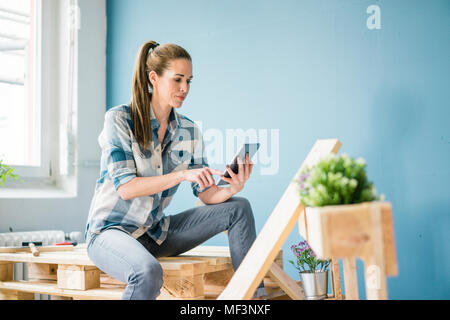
(303, 177)
(304, 245)
(307, 258)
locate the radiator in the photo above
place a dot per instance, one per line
(47, 237)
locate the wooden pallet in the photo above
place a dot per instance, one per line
(201, 273)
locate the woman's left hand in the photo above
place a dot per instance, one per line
(238, 180)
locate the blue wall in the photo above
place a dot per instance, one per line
(313, 69)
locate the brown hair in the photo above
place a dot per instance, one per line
(157, 60)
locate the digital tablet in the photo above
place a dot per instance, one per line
(249, 148)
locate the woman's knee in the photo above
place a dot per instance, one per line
(243, 208)
(149, 272)
(240, 202)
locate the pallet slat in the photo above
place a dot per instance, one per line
(51, 288)
(41, 249)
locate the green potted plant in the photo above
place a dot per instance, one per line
(5, 172)
(336, 180)
(313, 271)
(339, 201)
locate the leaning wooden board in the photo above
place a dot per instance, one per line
(268, 243)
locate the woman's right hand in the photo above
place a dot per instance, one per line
(203, 176)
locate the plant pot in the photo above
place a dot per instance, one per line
(315, 284)
(346, 231)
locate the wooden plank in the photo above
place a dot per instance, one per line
(15, 295)
(223, 251)
(336, 278)
(217, 255)
(184, 287)
(42, 271)
(374, 262)
(165, 295)
(76, 267)
(6, 271)
(50, 288)
(41, 249)
(344, 230)
(215, 282)
(286, 283)
(63, 257)
(220, 267)
(350, 278)
(275, 231)
(182, 267)
(60, 298)
(390, 254)
(76, 277)
(211, 260)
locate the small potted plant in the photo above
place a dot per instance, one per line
(313, 271)
(5, 172)
(336, 194)
(336, 180)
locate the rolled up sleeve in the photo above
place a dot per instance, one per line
(117, 155)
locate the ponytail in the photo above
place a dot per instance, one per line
(141, 97)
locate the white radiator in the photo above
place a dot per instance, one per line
(47, 237)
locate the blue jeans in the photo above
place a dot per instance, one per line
(134, 261)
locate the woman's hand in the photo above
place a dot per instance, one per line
(203, 176)
(237, 181)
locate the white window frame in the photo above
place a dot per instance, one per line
(55, 99)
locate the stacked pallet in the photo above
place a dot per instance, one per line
(201, 273)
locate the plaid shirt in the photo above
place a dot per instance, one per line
(124, 159)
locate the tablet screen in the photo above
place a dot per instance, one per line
(250, 148)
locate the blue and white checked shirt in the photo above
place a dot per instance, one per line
(124, 159)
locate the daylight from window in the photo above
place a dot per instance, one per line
(17, 106)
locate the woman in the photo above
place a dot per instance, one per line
(148, 149)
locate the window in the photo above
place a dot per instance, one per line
(19, 114)
(38, 86)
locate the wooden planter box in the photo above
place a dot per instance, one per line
(353, 231)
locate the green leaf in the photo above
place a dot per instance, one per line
(5, 172)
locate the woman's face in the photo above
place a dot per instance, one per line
(173, 86)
